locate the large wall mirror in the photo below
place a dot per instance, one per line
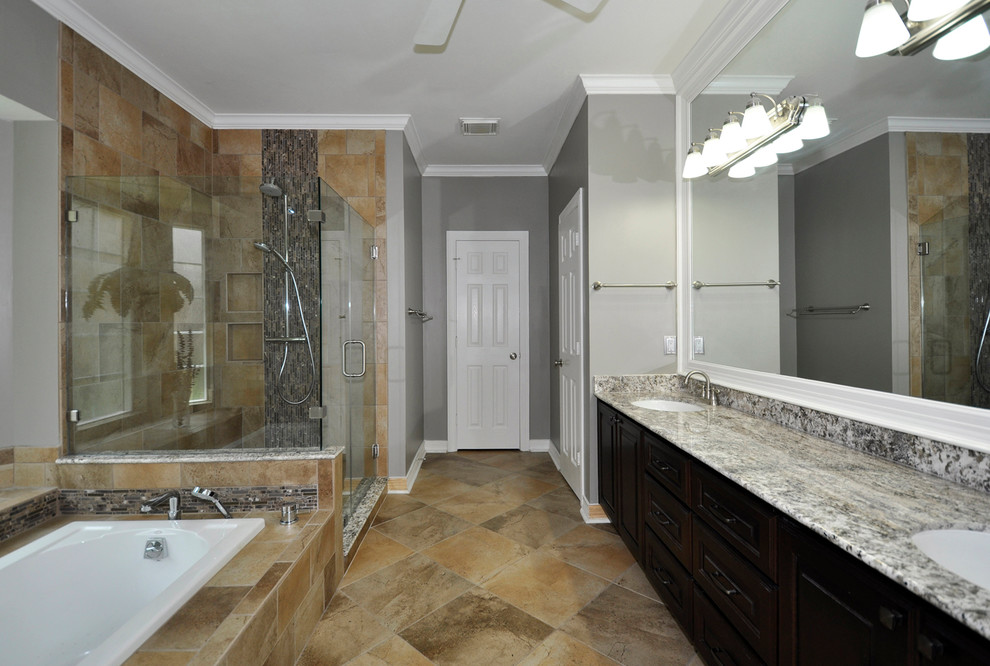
(890, 210)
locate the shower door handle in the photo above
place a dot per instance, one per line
(343, 358)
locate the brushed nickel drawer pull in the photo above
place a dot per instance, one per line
(662, 466)
(727, 591)
(716, 511)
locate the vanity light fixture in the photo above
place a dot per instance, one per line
(733, 139)
(956, 24)
(784, 131)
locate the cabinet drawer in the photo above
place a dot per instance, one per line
(668, 465)
(671, 581)
(669, 519)
(736, 588)
(741, 519)
(715, 640)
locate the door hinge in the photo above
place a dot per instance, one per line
(374, 251)
(73, 416)
(374, 450)
(923, 249)
(71, 216)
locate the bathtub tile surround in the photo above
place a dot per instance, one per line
(24, 508)
(865, 504)
(240, 499)
(947, 461)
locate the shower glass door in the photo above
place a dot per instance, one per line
(349, 364)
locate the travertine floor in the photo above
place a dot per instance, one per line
(488, 561)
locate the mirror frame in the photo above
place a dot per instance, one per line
(968, 427)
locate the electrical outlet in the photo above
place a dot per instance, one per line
(699, 345)
(669, 345)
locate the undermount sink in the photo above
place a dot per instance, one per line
(667, 406)
(965, 553)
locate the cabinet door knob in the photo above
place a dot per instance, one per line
(931, 648)
(890, 618)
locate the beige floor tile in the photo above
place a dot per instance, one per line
(404, 592)
(529, 526)
(561, 649)
(478, 505)
(546, 587)
(395, 506)
(594, 551)
(476, 553)
(393, 652)
(467, 471)
(634, 579)
(422, 528)
(546, 472)
(520, 487)
(561, 501)
(477, 626)
(433, 488)
(631, 629)
(345, 631)
(375, 552)
(515, 461)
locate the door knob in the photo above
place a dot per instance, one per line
(513, 356)
(559, 362)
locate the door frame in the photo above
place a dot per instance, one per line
(522, 237)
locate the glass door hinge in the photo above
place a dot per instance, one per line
(74, 416)
(374, 450)
(374, 251)
(71, 216)
(924, 249)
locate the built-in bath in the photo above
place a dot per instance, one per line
(106, 595)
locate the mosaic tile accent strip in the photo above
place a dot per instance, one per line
(28, 514)
(248, 498)
(947, 461)
(291, 159)
(978, 146)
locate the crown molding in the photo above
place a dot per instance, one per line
(310, 121)
(485, 171)
(728, 34)
(626, 84)
(891, 124)
(570, 106)
(740, 84)
(74, 16)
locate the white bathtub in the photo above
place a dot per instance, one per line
(85, 594)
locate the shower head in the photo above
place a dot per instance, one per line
(265, 248)
(271, 189)
(262, 247)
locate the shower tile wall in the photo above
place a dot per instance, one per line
(979, 251)
(938, 207)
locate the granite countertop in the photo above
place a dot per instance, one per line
(217, 455)
(868, 506)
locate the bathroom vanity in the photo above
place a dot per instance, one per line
(772, 546)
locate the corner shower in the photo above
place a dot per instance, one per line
(205, 316)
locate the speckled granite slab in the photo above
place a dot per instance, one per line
(239, 455)
(866, 505)
(362, 512)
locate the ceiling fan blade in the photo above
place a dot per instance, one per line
(436, 25)
(586, 6)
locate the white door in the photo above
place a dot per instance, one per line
(570, 359)
(488, 354)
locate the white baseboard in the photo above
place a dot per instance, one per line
(554, 455)
(435, 446)
(593, 513)
(402, 485)
(539, 445)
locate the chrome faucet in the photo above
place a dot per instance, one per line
(211, 496)
(174, 512)
(707, 391)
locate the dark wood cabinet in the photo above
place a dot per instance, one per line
(619, 475)
(835, 609)
(941, 641)
(608, 420)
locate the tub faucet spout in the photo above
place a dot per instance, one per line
(173, 498)
(211, 496)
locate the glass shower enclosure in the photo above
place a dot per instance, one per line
(174, 315)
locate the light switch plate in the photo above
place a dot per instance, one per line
(699, 345)
(669, 345)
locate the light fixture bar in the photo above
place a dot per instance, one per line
(925, 34)
(786, 116)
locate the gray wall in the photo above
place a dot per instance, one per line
(6, 274)
(788, 290)
(29, 53)
(568, 173)
(842, 256)
(484, 204)
(404, 264)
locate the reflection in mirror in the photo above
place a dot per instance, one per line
(890, 210)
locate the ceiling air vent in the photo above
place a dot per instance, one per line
(479, 126)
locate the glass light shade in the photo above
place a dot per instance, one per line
(814, 123)
(788, 143)
(713, 154)
(743, 169)
(755, 121)
(926, 10)
(732, 136)
(694, 166)
(765, 156)
(882, 29)
(968, 39)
